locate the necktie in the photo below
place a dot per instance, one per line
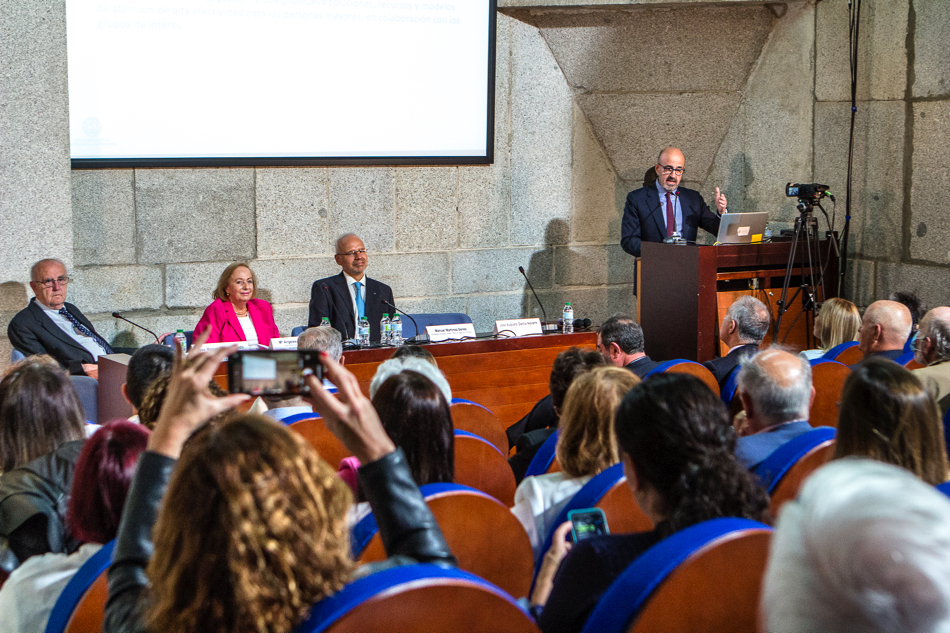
(360, 306)
(85, 331)
(670, 216)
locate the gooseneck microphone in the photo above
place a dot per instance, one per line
(420, 337)
(154, 335)
(543, 311)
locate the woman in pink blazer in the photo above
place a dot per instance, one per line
(235, 315)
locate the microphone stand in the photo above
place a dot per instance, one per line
(154, 335)
(419, 338)
(544, 326)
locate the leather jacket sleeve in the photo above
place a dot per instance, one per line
(406, 526)
(405, 522)
(133, 548)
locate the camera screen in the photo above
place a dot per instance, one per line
(279, 372)
(588, 524)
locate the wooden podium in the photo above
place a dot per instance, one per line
(684, 291)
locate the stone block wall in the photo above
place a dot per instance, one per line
(586, 94)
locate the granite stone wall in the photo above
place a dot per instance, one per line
(756, 93)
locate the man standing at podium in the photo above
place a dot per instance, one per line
(657, 212)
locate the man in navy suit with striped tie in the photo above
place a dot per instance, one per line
(663, 209)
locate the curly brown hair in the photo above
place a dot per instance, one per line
(251, 535)
(586, 442)
(155, 396)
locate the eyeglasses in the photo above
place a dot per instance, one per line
(361, 251)
(669, 169)
(48, 283)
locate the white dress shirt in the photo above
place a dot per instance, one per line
(66, 326)
(349, 284)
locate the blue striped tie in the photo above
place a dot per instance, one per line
(82, 329)
(360, 305)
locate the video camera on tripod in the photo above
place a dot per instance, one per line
(808, 195)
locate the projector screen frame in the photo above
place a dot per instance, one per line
(318, 161)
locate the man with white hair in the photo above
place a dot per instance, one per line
(776, 392)
(743, 328)
(932, 348)
(885, 328)
(865, 547)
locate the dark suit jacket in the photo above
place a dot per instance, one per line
(643, 218)
(722, 367)
(752, 450)
(330, 297)
(891, 354)
(32, 332)
(643, 366)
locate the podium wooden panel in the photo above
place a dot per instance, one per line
(112, 404)
(685, 289)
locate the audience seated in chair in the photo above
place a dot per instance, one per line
(932, 349)
(102, 477)
(145, 366)
(621, 342)
(39, 411)
(251, 532)
(677, 449)
(864, 548)
(531, 431)
(586, 445)
(412, 399)
(887, 415)
(836, 322)
(743, 328)
(884, 330)
(776, 393)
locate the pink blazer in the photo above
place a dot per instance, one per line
(219, 317)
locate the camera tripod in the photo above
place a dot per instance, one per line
(806, 235)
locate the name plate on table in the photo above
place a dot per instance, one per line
(452, 332)
(242, 345)
(517, 327)
(285, 342)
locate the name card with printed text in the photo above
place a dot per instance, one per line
(451, 332)
(517, 327)
(242, 345)
(285, 342)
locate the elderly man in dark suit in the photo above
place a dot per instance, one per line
(343, 298)
(654, 213)
(745, 325)
(49, 325)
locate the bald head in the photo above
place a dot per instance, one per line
(775, 387)
(885, 326)
(669, 168)
(934, 338)
(671, 153)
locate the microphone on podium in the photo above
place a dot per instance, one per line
(420, 337)
(119, 316)
(544, 326)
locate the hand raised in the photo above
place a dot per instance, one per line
(721, 202)
(349, 415)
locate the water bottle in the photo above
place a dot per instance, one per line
(385, 330)
(396, 324)
(568, 318)
(181, 341)
(767, 234)
(364, 332)
(325, 322)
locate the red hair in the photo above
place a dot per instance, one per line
(102, 478)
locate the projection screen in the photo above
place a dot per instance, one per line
(280, 82)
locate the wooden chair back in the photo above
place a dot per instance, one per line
(90, 613)
(912, 364)
(623, 514)
(456, 601)
(849, 355)
(828, 379)
(480, 465)
(711, 590)
(477, 419)
(315, 431)
(695, 369)
(483, 534)
(787, 488)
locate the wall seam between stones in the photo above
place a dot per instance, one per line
(907, 212)
(254, 206)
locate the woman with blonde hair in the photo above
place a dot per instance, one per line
(887, 415)
(236, 314)
(586, 445)
(836, 322)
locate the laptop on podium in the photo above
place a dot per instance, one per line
(742, 228)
